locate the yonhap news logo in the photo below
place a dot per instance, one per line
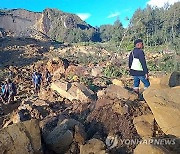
(154, 141)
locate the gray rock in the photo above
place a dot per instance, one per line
(174, 79)
(60, 139)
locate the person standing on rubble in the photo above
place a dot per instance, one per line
(3, 92)
(11, 88)
(47, 77)
(37, 78)
(138, 67)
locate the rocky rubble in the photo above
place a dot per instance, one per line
(21, 138)
(144, 125)
(72, 91)
(97, 125)
(148, 148)
(69, 116)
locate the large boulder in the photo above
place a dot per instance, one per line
(158, 82)
(59, 140)
(61, 137)
(174, 79)
(114, 91)
(21, 138)
(48, 124)
(93, 146)
(72, 91)
(150, 149)
(165, 106)
(144, 125)
(118, 82)
(169, 80)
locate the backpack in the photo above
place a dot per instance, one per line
(3, 89)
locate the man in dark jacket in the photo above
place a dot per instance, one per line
(137, 66)
(12, 91)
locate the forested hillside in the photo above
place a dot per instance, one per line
(156, 26)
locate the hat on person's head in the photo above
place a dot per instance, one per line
(137, 41)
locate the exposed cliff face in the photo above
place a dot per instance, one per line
(52, 22)
(58, 24)
(17, 21)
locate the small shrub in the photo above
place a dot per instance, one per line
(152, 66)
(111, 71)
(166, 64)
(124, 71)
(85, 80)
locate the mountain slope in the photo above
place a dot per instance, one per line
(55, 24)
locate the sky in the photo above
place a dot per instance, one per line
(94, 12)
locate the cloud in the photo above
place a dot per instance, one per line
(83, 16)
(112, 15)
(160, 3)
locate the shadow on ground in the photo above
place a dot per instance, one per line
(14, 51)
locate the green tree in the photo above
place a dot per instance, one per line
(117, 31)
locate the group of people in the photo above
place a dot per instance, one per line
(37, 79)
(8, 91)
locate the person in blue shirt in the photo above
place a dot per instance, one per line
(3, 92)
(139, 73)
(8, 91)
(3, 89)
(37, 78)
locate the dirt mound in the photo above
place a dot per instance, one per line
(112, 119)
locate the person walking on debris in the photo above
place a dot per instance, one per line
(10, 73)
(8, 91)
(47, 76)
(37, 78)
(3, 95)
(137, 66)
(33, 77)
(11, 90)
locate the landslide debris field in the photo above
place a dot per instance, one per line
(89, 106)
